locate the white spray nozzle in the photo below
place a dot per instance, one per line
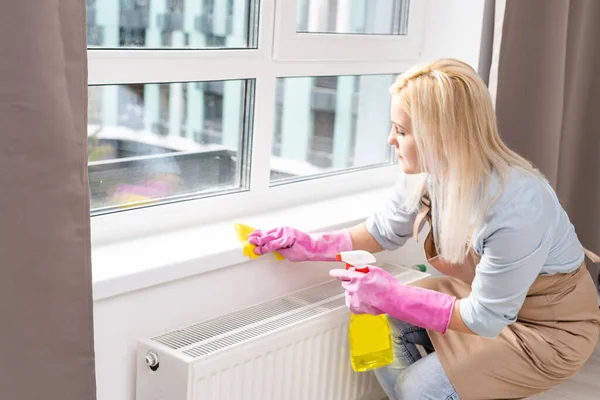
(358, 259)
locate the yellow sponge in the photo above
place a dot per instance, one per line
(242, 231)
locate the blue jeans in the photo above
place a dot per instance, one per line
(412, 376)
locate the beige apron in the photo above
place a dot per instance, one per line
(555, 333)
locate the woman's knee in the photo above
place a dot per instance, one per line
(399, 327)
(425, 380)
(403, 332)
(423, 389)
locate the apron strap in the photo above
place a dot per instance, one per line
(423, 211)
(592, 256)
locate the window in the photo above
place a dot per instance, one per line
(200, 110)
(171, 24)
(152, 142)
(348, 30)
(330, 123)
(382, 17)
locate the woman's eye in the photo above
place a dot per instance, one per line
(397, 130)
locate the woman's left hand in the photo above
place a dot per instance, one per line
(377, 292)
(365, 290)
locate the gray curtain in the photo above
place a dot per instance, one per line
(548, 99)
(46, 336)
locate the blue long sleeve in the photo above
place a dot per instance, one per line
(392, 226)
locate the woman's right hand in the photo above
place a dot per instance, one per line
(296, 245)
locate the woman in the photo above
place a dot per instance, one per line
(517, 311)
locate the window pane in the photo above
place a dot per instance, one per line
(331, 123)
(171, 23)
(383, 17)
(159, 142)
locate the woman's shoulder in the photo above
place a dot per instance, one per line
(522, 201)
(522, 192)
(527, 215)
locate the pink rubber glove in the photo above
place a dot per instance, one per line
(378, 292)
(295, 245)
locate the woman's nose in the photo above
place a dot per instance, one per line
(391, 139)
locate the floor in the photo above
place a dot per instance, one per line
(583, 386)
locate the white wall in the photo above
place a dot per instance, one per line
(453, 29)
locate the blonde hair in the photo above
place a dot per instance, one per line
(458, 146)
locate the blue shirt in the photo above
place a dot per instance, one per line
(525, 233)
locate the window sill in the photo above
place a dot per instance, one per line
(131, 265)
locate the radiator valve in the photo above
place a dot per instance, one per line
(152, 360)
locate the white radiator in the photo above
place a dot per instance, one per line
(291, 348)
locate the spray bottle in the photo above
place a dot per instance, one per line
(369, 336)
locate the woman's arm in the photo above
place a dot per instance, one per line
(392, 225)
(363, 240)
(507, 270)
(515, 245)
(514, 253)
(387, 229)
(456, 321)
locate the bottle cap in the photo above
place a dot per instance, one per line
(338, 257)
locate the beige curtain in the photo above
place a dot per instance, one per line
(548, 99)
(46, 337)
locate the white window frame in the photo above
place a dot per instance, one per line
(125, 66)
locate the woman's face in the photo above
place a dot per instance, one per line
(401, 137)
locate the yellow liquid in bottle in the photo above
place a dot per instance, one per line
(370, 342)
